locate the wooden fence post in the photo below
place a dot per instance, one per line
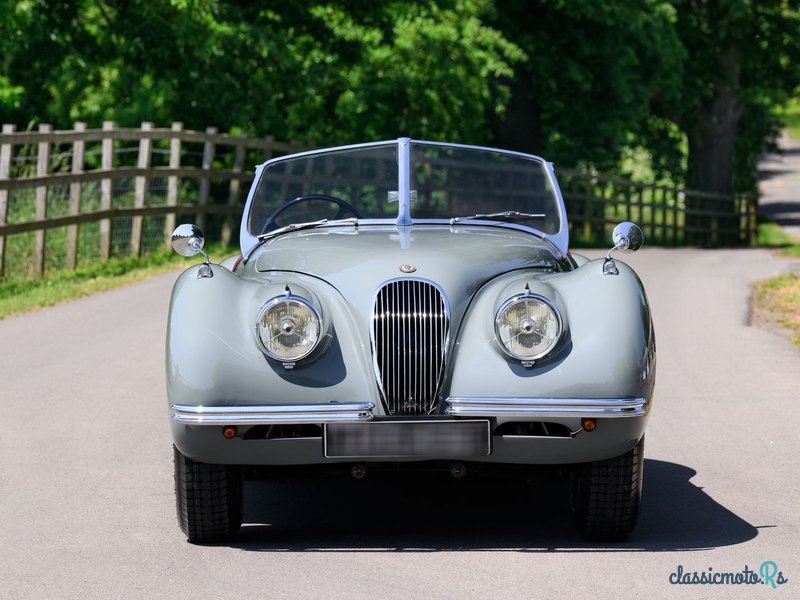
(6, 150)
(752, 220)
(205, 182)
(75, 189)
(42, 168)
(106, 189)
(173, 181)
(140, 192)
(233, 191)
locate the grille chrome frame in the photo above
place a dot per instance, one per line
(409, 334)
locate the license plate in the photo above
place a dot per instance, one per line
(400, 439)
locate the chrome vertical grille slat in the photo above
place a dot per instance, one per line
(410, 323)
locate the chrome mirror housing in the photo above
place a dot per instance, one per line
(627, 237)
(188, 240)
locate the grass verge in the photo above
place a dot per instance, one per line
(19, 296)
(772, 235)
(777, 305)
(791, 118)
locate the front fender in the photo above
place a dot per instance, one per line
(607, 351)
(212, 357)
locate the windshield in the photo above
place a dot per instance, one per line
(458, 182)
(445, 181)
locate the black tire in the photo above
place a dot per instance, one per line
(208, 498)
(606, 494)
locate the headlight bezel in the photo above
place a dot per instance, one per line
(271, 303)
(550, 304)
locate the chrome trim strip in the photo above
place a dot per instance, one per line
(304, 153)
(546, 407)
(273, 414)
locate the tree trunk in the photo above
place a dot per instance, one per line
(712, 140)
(712, 145)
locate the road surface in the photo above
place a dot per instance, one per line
(779, 181)
(86, 491)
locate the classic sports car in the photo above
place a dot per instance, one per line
(408, 303)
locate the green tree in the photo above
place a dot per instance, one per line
(743, 63)
(594, 71)
(430, 70)
(581, 82)
(330, 72)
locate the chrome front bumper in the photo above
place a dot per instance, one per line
(273, 414)
(536, 408)
(528, 408)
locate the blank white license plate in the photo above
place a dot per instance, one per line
(399, 439)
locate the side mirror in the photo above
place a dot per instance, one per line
(188, 239)
(627, 237)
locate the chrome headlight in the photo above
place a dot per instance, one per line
(527, 327)
(288, 328)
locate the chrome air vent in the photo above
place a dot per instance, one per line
(410, 321)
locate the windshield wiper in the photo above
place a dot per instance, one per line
(307, 225)
(508, 214)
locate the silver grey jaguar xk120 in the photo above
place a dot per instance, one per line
(414, 303)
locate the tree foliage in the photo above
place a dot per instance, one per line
(327, 72)
(595, 70)
(744, 64)
(693, 84)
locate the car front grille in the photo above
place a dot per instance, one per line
(410, 322)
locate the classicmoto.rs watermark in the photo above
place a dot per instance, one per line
(766, 574)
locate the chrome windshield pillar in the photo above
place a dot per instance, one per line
(404, 182)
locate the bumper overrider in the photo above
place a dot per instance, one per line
(529, 408)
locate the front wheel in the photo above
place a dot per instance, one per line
(605, 496)
(208, 498)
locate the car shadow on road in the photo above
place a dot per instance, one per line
(431, 512)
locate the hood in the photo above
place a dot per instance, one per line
(358, 261)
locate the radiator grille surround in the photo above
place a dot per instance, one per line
(409, 334)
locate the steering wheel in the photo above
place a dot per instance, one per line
(344, 208)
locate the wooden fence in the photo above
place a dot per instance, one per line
(669, 216)
(86, 194)
(66, 196)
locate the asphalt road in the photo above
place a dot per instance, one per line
(86, 492)
(779, 183)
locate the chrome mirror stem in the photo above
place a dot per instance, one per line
(188, 240)
(205, 269)
(627, 237)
